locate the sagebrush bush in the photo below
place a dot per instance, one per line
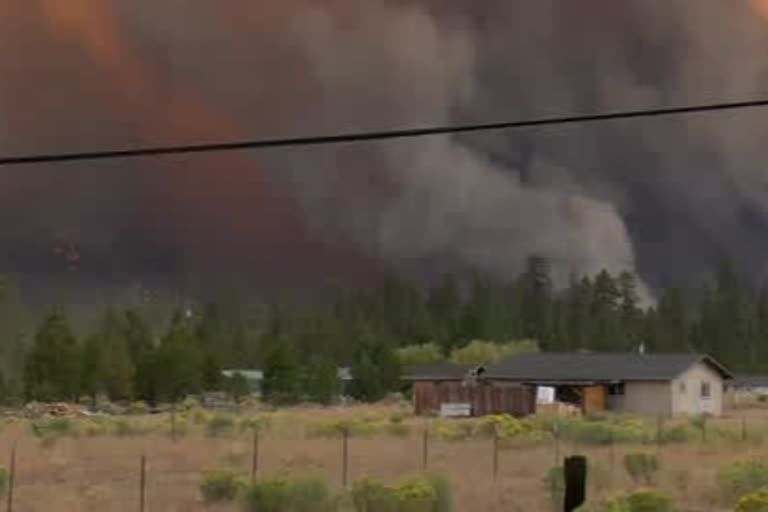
(220, 425)
(369, 495)
(641, 500)
(398, 430)
(742, 477)
(4, 476)
(641, 467)
(138, 407)
(283, 494)
(424, 493)
(122, 427)
(753, 502)
(554, 484)
(54, 428)
(334, 429)
(254, 424)
(220, 485)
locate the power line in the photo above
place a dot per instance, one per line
(371, 136)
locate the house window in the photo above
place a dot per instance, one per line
(682, 387)
(706, 390)
(616, 389)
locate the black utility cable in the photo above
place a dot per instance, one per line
(371, 136)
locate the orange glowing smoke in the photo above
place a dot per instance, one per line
(224, 196)
(760, 6)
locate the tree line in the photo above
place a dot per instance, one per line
(300, 345)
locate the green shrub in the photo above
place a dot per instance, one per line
(54, 428)
(641, 500)
(334, 429)
(139, 407)
(254, 424)
(680, 433)
(598, 476)
(96, 429)
(281, 494)
(742, 477)
(369, 495)
(648, 500)
(424, 493)
(554, 484)
(220, 485)
(221, 425)
(641, 467)
(399, 430)
(4, 476)
(126, 428)
(754, 502)
(452, 430)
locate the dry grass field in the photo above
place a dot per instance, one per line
(89, 469)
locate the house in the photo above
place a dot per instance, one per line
(648, 384)
(255, 379)
(461, 390)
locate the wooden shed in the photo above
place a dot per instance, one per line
(436, 387)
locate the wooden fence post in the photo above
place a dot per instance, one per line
(11, 479)
(659, 430)
(556, 432)
(575, 482)
(743, 428)
(425, 449)
(255, 455)
(142, 483)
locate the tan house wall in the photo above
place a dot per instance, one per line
(686, 391)
(651, 398)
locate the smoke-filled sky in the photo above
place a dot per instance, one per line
(666, 197)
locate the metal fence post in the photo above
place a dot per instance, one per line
(345, 457)
(11, 479)
(425, 449)
(495, 454)
(255, 459)
(142, 483)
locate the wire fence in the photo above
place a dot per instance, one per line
(159, 472)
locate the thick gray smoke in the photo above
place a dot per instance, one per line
(666, 196)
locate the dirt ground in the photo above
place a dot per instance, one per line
(102, 474)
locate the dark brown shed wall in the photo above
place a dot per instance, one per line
(486, 397)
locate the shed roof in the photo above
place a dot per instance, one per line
(745, 380)
(576, 367)
(437, 371)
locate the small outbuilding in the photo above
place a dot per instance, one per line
(462, 390)
(648, 384)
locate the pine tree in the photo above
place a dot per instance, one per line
(445, 308)
(116, 366)
(178, 362)
(322, 380)
(605, 332)
(282, 374)
(536, 308)
(673, 325)
(52, 370)
(630, 316)
(91, 381)
(375, 371)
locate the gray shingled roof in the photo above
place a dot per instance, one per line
(584, 367)
(437, 371)
(744, 380)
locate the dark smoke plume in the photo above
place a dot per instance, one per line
(666, 197)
